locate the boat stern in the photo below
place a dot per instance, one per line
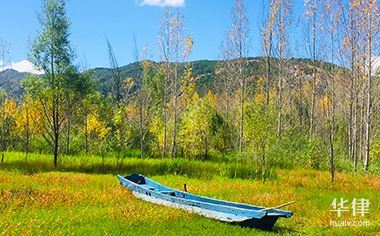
(280, 213)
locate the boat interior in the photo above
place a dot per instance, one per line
(153, 186)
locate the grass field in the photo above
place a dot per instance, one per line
(39, 200)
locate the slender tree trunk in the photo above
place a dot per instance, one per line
(352, 86)
(268, 71)
(165, 130)
(369, 103)
(312, 110)
(141, 128)
(331, 138)
(206, 148)
(175, 100)
(263, 154)
(332, 118)
(56, 149)
(290, 94)
(300, 107)
(27, 131)
(239, 32)
(86, 135)
(68, 138)
(55, 111)
(279, 104)
(166, 37)
(242, 99)
(164, 111)
(361, 126)
(350, 125)
(354, 133)
(282, 44)
(56, 137)
(2, 130)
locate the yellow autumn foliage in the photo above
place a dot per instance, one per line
(324, 104)
(28, 117)
(10, 108)
(96, 127)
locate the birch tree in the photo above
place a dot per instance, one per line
(282, 24)
(312, 16)
(225, 72)
(240, 45)
(165, 46)
(370, 21)
(332, 14)
(353, 42)
(175, 47)
(177, 38)
(267, 44)
(144, 98)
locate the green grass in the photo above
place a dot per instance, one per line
(81, 201)
(96, 165)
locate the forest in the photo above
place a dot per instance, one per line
(259, 129)
(321, 112)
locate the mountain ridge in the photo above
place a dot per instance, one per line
(204, 70)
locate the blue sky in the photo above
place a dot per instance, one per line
(118, 20)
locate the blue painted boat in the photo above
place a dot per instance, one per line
(225, 211)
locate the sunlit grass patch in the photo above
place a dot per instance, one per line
(60, 202)
(38, 163)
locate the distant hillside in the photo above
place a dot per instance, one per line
(10, 81)
(204, 70)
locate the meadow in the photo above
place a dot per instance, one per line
(82, 199)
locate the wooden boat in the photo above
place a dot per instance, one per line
(225, 211)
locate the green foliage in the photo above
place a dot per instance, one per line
(290, 151)
(156, 130)
(207, 130)
(316, 153)
(375, 150)
(112, 164)
(52, 42)
(259, 132)
(223, 137)
(199, 125)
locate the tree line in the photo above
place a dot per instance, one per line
(321, 111)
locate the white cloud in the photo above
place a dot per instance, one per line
(163, 3)
(22, 66)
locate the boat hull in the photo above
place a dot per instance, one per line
(229, 212)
